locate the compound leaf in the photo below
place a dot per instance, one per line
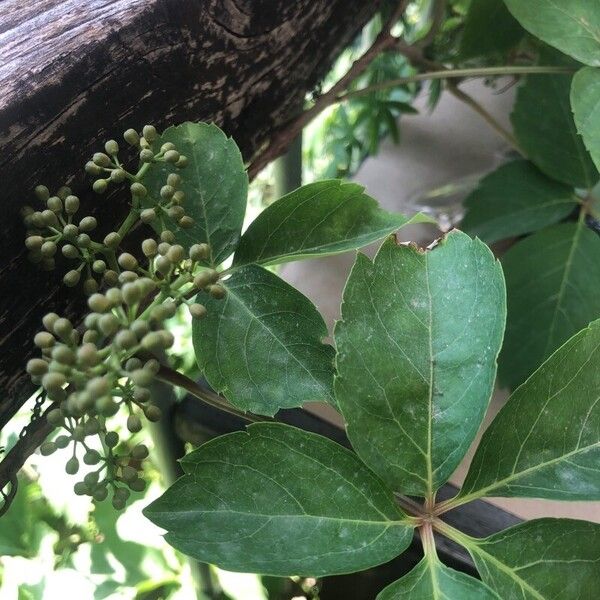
(431, 579)
(572, 26)
(543, 559)
(585, 100)
(326, 217)
(545, 442)
(544, 126)
(552, 282)
(261, 346)
(215, 185)
(281, 501)
(515, 199)
(416, 360)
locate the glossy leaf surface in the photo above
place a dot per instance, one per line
(432, 579)
(416, 360)
(515, 199)
(572, 26)
(215, 185)
(545, 442)
(543, 559)
(552, 281)
(281, 501)
(585, 100)
(545, 128)
(261, 346)
(326, 217)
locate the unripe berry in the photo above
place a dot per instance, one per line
(92, 168)
(166, 192)
(134, 424)
(132, 137)
(71, 204)
(43, 339)
(99, 266)
(54, 203)
(49, 218)
(163, 265)
(63, 328)
(34, 242)
(132, 293)
(186, 222)
(173, 180)
(98, 303)
(152, 341)
(152, 412)
(48, 249)
(81, 488)
(167, 146)
(137, 485)
(147, 215)
(176, 254)
(140, 328)
(111, 439)
(91, 337)
(133, 363)
(128, 276)
(178, 197)
(172, 156)
(139, 190)
(106, 406)
(53, 382)
(142, 377)
(168, 338)
(110, 277)
(198, 311)
(63, 354)
(114, 296)
(167, 236)
(125, 339)
(141, 394)
(111, 147)
(70, 251)
(108, 324)
(146, 155)
(101, 159)
(42, 192)
(37, 367)
(100, 494)
(182, 162)
(152, 366)
(78, 433)
(83, 240)
(149, 247)
(205, 278)
(118, 176)
(70, 232)
(199, 252)
(91, 457)
(87, 355)
(176, 212)
(92, 477)
(98, 386)
(72, 466)
(112, 240)
(71, 278)
(127, 261)
(100, 186)
(62, 441)
(149, 132)
(90, 286)
(48, 448)
(88, 224)
(217, 291)
(140, 452)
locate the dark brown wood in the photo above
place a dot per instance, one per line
(74, 73)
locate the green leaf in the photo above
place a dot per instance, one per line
(416, 360)
(572, 26)
(545, 129)
(552, 281)
(280, 501)
(262, 345)
(516, 199)
(215, 185)
(543, 559)
(431, 579)
(489, 29)
(545, 442)
(327, 217)
(585, 100)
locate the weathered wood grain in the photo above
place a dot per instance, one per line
(74, 73)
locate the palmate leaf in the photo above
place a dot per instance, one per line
(261, 346)
(543, 559)
(215, 185)
(545, 129)
(416, 360)
(552, 281)
(545, 442)
(326, 217)
(585, 101)
(430, 579)
(278, 500)
(515, 199)
(572, 26)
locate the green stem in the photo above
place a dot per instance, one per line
(128, 223)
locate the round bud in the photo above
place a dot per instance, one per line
(131, 137)
(185, 222)
(72, 466)
(166, 192)
(163, 248)
(118, 176)
(178, 197)
(176, 212)
(91, 457)
(53, 382)
(139, 190)
(168, 339)
(83, 240)
(48, 448)
(43, 339)
(167, 236)
(118, 503)
(62, 441)
(142, 377)
(101, 159)
(37, 367)
(91, 337)
(125, 339)
(99, 266)
(140, 452)
(111, 439)
(182, 162)
(111, 147)
(128, 473)
(149, 247)
(100, 494)
(172, 156)
(92, 426)
(134, 424)
(137, 485)
(149, 132)
(146, 155)
(110, 277)
(173, 180)
(55, 417)
(152, 366)
(90, 286)
(141, 394)
(34, 242)
(112, 240)
(108, 324)
(133, 363)
(71, 278)
(91, 478)
(100, 185)
(106, 406)
(49, 218)
(205, 278)
(87, 355)
(63, 191)
(199, 252)
(128, 261)
(81, 488)
(114, 296)
(176, 254)
(63, 354)
(70, 251)
(163, 265)
(54, 203)
(146, 285)
(147, 215)
(167, 146)
(217, 291)
(198, 311)
(152, 341)
(92, 168)
(63, 328)
(48, 249)
(48, 264)
(140, 328)
(78, 433)
(131, 293)
(91, 320)
(144, 144)
(152, 413)
(88, 224)
(42, 192)
(98, 303)
(98, 386)
(128, 277)
(49, 320)
(71, 204)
